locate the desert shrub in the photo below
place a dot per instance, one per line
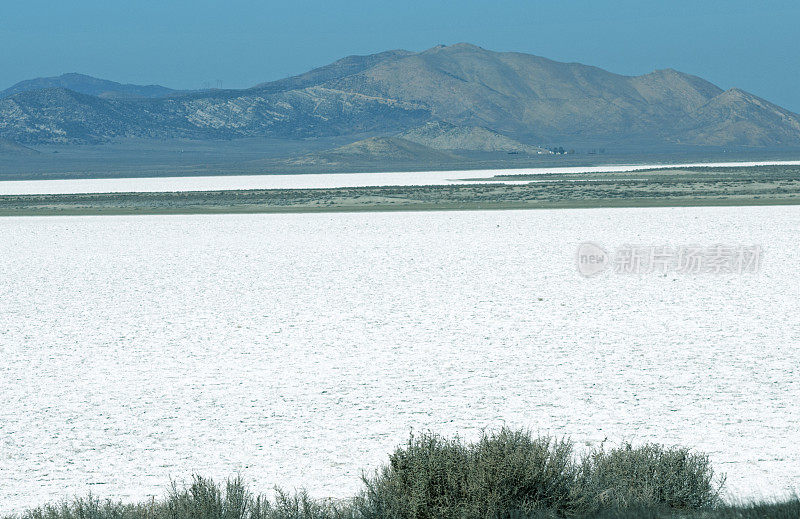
(649, 476)
(511, 470)
(205, 499)
(202, 499)
(299, 506)
(502, 474)
(424, 479)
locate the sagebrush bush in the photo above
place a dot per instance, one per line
(426, 478)
(202, 499)
(504, 475)
(512, 470)
(650, 475)
(434, 477)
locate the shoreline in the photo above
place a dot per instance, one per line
(350, 179)
(381, 208)
(666, 187)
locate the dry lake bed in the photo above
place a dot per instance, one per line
(300, 349)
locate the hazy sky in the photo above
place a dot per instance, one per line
(192, 43)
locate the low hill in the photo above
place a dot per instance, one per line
(377, 149)
(12, 148)
(444, 136)
(84, 84)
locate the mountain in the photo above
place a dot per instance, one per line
(739, 116)
(377, 149)
(336, 70)
(447, 97)
(12, 148)
(89, 85)
(64, 116)
(525, 95)
(445, 136)
(57, 115)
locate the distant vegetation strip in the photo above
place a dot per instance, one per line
(765, 185)
(507, 474)
(780, 172)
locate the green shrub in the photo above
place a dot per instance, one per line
(504, 475)
(649, 476)
(511, 470)
(301, 506)
(204, 499)
(424, 479)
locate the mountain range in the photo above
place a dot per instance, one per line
(445, 98)
(84, 84)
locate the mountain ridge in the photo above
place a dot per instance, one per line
(90, 85)
(526, 98)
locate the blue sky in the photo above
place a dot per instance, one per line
(189, 44)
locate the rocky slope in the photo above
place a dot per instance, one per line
(445, 136)
(523, 98)
(8, 148)
(84, 84)
(377, 149)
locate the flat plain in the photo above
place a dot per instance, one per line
(299, 349)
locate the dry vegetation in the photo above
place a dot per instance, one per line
(679, 187)
(508, 474)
